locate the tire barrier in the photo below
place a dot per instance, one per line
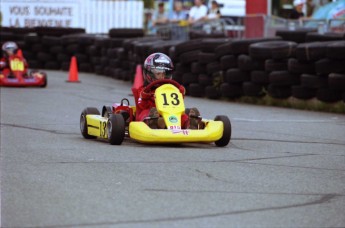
(300, 64)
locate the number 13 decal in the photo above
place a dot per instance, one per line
(174, 96)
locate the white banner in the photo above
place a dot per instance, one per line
(96, 16)
(36, 13)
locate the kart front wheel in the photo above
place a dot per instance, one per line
(225, 139)
(83, 121)
(116, 129)
(45, 81)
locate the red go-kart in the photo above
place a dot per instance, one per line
(16, 75)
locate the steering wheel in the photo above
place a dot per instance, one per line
(161, 82)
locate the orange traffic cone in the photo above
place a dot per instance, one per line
(20, 53)
(138, 82)
(73, 70)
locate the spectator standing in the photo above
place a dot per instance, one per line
(198, 12)
(179, 31)
(214, 12)
(297, 12)
(178, 14)
(160, 16)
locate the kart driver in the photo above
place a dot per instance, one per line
(159, 66)
(9, 49)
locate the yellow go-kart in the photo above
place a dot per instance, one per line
(118, 121)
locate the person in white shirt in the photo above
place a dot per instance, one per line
(214, 12)
(198, 12)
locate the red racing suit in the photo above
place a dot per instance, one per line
(5, 67)
(146, 102)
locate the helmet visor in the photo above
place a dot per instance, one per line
(160, 73)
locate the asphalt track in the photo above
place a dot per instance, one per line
(283, 167)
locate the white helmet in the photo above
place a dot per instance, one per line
(9, 48)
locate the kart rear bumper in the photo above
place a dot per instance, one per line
(14, 82)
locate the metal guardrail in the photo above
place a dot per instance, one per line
(266, 26)
(181, 30)
(250, 26)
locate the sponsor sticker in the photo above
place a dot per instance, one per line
(173, 119)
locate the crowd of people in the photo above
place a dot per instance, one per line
(198, 13)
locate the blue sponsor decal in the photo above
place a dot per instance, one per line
(172, 119)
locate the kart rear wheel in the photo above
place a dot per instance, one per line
(225, 139)
(116, 129)
(83, 121)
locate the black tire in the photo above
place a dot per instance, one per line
(189, 57)
(241, 46)
(125, 32)
(116, 129)
(212, 92)
(45, 57)
(235, 75)
(45, 78)
(298, 35)
(188, 78)
(205, 80)
(183, 68)
(252, 90)
(276, 65)
(336, 81)
(328, 95)
(205, 57)
(188, 46)
(210, 44)
(85, 67)
(247, 63)
(259, 77)
(279, 49)
(298, 67)
(314, 36)
(336, 50)
(231, 91)
(311, 51)
(83, 121)
(56, 49)
(35, 64)
(280, 92)
(283, 78)
(225, 139)
(224, 49)
(177, 76)
(198, 68)
(196, 90)
(313, 81)
(228, 61)
(213, 67)
(327, 66)
(303, 93)
(52, 65)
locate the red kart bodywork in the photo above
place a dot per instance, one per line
(17, 75)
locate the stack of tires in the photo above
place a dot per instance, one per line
(76, 45)
(183, 55)
(44, 46)
(303, 71)
(326, 81)
(237, 66)
(206, 69)
(274, 76)
(113, 55)
(301, 64)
